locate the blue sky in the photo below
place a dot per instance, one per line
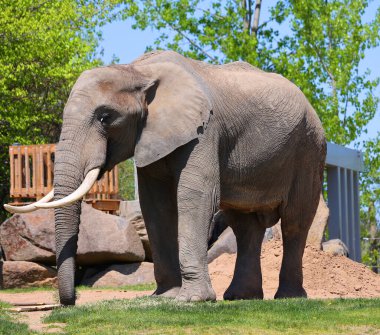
(120, 40)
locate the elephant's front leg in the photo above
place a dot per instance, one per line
(195, 210)
(158, 200)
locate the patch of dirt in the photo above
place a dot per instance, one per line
(325, 275)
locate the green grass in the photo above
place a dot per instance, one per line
(9, 325)
(160, 316)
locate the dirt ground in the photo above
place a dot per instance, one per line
(325, 276)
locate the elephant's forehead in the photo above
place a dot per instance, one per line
(109, 79)
(101, 78)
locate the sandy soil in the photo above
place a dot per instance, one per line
(325, 276)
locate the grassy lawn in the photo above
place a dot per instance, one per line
(160, 316)
(9, 325)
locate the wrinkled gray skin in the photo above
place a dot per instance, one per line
(205, 138)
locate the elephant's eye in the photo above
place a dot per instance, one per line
(105, 118)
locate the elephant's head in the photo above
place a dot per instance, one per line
(112, 114)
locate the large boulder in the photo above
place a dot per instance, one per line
(103, 238)
(26, 274)
(29, 237)
(318, 227)
(119, 275)
(226, 243)
(131, 211)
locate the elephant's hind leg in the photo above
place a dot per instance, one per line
(247, 279)
(159, 207)
(296, 220)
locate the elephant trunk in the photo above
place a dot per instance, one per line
(67, 178)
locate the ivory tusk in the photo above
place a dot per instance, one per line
(29, 208)
(78, 194)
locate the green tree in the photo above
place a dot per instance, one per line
(44, 46)
(370, 203)
(320, 53)
(127, 180)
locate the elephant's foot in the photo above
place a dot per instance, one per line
(242, 291)
(168, 292)
(290, 291)
(200, 291)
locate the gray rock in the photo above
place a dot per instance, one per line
(119, 275)
(26, 274)
(335, 247)
(29, 237)
(226, 243)
(103, 238)
(318, 227)
(131, 211)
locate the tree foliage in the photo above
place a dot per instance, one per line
(320, 48)
(370, 204)
(44, 46)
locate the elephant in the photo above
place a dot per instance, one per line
(205, 138)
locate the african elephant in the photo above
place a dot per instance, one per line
(205, 138)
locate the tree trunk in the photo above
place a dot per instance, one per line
(256, 17)
(248, 14)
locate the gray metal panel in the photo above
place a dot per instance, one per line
(338, 155)
(334, 202)
(358, 256)
(343, 202)
(351, 213)
(345, 237)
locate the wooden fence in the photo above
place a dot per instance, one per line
(32, 174)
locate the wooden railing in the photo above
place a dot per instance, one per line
(32, 173)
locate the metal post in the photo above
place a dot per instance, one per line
(334, 202)
(358, 255)
(351, 213)
(345, 236)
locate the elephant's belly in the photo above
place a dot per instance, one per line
(256, 193)
(250, 203)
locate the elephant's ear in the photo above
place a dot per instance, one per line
(178, 110)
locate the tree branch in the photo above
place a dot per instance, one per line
(191, 42)
(332, 78)
(195, 45)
